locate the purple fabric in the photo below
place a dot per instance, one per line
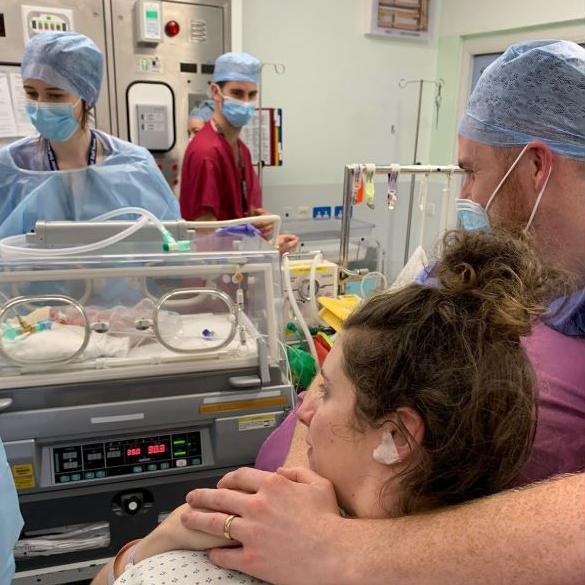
(275, 448)
(570, 318)
(559, 362)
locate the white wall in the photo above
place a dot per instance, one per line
(468, 28)
(340, 95)
(340, 98)
(467, 17)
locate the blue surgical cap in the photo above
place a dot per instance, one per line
(236, 67)
(204, 111)
(534, 91)
(67, 60)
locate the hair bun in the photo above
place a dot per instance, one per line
(499, 277)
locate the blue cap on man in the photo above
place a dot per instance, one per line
(534, 91)
(236, 67)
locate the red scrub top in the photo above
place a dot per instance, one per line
(211, 181)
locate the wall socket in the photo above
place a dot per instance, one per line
(303, 212)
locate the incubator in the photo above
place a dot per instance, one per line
(128, 376)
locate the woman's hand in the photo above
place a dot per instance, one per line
(172, 535)
(282, 519)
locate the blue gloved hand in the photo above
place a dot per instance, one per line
(246, 229)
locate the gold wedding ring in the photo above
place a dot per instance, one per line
(227, 525)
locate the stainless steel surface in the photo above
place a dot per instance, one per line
(60, 574)
(212, 37)
(89, 18)
(205, 33)
(55, 234)
(413, 178)
(346, 217)
(380, 170)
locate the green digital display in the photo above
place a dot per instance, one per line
(152, 14)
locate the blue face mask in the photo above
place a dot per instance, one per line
(56, 122)
(236, 112)
(11, 523)
(472, 217)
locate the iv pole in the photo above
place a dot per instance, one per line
(279, 69)
(402, 84)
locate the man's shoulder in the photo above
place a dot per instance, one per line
(557, 357)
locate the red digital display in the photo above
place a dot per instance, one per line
(133, 452)
(157, 449)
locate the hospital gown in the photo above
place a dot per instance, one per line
(29, 191)
(182, 567)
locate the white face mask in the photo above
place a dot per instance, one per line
(472, 216)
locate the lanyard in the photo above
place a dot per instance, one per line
(243, 186)
(91, 153)
(241, 166)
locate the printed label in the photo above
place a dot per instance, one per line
(256, 421)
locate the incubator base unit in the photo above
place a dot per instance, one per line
(128, 378)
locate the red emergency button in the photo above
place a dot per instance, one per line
(172, 28)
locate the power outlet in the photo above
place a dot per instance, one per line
(303, 212)
(322, 212)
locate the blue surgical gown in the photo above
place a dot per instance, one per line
(128, 176)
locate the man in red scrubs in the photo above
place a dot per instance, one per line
(218, 181)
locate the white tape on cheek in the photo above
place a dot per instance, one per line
(386, 452)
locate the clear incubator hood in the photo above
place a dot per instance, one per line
(131, 309)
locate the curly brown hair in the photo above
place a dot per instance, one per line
(452, 353)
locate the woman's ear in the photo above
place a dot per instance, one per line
(399, 436)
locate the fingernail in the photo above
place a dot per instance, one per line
(189, 497)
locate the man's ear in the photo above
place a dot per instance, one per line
(215, 92)
(540, 157)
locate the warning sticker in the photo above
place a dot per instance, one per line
(24, 476)
(256, 421)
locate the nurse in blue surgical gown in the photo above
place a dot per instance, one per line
(70, 171)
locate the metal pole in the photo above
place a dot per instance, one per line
(413, 178)
(346, 218)
(260, 166)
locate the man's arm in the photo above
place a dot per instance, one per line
(291, 533)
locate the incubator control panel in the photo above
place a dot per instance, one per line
(128, 456)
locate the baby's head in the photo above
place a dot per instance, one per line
(428, 398)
